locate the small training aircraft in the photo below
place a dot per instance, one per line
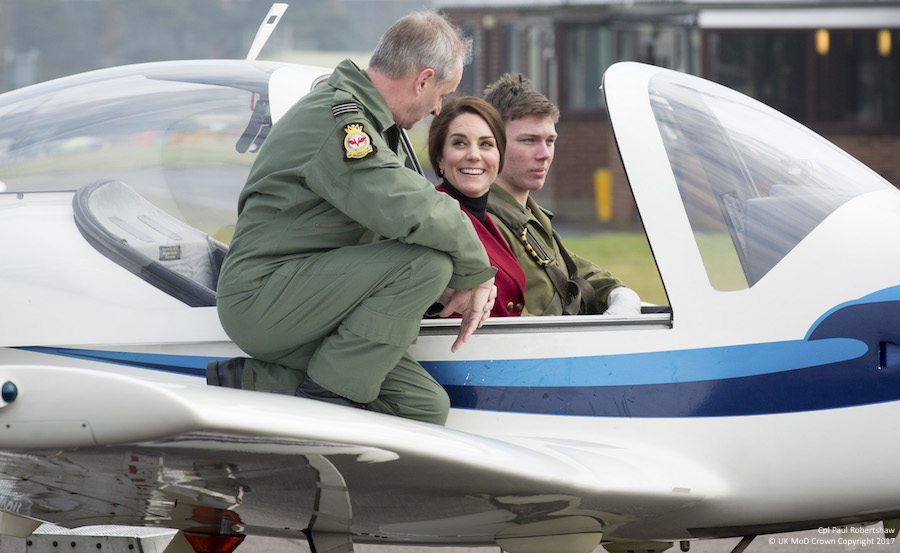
(764, 398)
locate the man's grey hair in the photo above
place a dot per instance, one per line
(514, 98)
(421, 40)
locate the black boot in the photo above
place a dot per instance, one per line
(228, 373)
(310, 390)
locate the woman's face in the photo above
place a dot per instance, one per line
(470, 158)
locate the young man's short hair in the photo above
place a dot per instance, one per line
(514, 98)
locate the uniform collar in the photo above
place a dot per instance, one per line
(502, 202)
(535, 208)
(498, 193)
(531, 206)
(349, 77)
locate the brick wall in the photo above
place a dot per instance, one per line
(881, 152)
(586, 144)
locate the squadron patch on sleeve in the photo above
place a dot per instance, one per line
(357, 143)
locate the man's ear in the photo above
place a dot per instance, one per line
(423, 78)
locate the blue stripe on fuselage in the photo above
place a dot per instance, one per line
(180, 364)
(850, 357)
(640, 369)
(822, 387)
(861, 338)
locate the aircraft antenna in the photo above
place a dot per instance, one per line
(265, 30)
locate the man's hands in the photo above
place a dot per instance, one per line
(474, 304)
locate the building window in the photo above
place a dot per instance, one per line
(817, 76)
(471, 82)
(588, 53)
(856, 77)
(766, 65)
(541, 58)
(591, 49)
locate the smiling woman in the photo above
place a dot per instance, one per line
(465, 145)
(470, 158)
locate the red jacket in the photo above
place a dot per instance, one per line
(510, 278)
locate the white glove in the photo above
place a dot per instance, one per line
(623, 302)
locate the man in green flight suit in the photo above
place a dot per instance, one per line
(557, 282)
(339, 249)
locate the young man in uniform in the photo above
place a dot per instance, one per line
(339, 249)
(556, 281)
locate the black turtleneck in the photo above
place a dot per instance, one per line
(476, 206)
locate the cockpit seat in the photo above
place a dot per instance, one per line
(166, 252)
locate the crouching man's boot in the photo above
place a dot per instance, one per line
(310, 390)
(228, 373)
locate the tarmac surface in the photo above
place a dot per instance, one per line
(823, 540)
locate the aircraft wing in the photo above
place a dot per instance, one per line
(83, 447)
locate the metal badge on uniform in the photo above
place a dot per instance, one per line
(357, 143)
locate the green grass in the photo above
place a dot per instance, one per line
(627, 256)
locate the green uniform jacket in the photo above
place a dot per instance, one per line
(539, 288)
(331, 174)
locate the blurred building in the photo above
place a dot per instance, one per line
(832, 65)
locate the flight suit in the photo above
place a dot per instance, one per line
(338, 251)
(539, 288)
